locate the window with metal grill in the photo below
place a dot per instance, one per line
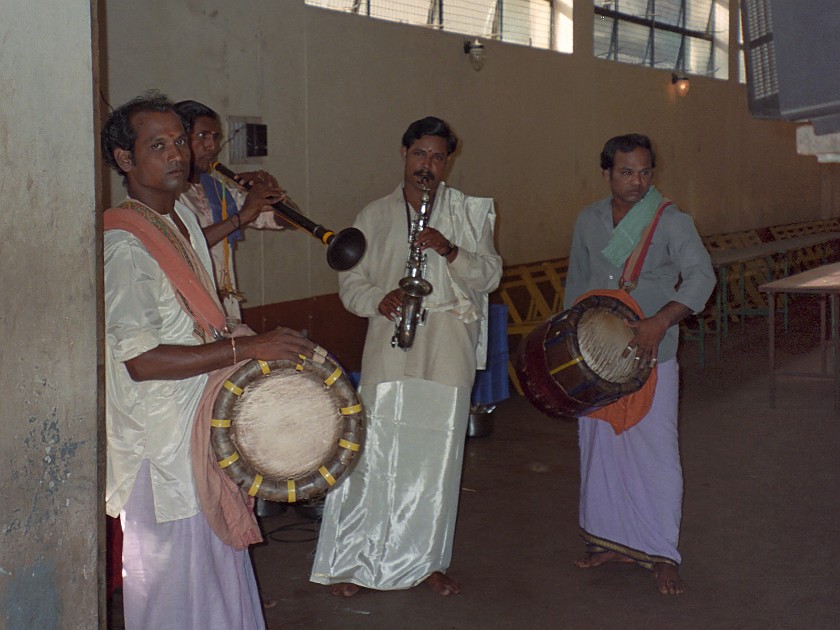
(687, 36)
(537, 23)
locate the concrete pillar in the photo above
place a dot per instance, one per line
(50, 274)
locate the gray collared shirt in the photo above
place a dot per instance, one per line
(677, 266)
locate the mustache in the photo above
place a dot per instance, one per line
(424, 174)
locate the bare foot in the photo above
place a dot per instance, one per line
(595, 559)
(668, 581)
(443, 584)
(345, 589)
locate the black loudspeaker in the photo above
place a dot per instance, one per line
(792, 53)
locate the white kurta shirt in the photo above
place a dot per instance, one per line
(453, 342)
(391, 522)
(152, 419)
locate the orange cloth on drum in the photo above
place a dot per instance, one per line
(627, 410)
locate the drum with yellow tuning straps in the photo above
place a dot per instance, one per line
(287, 431)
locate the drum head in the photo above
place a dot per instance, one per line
(284, 431)
(602, 336)
(285, 425)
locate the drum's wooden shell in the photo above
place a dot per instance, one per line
(307, 485)
(552, 369)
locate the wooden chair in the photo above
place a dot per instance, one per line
(806, 257)
(743, 278)
(532, 292)
(696, 328)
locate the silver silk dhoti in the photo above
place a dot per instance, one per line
(390, 523)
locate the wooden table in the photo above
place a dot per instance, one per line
(823, 281)
(722, 259)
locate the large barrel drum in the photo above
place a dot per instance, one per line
(572, 364)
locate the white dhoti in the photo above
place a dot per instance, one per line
(391, 521)
(179, 575)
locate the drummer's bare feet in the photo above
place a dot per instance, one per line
(593, 559)
(443, 584)
(345, 589)
(668, 580)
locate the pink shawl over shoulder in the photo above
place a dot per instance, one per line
(228, 509)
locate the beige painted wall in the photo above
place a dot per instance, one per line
(50, 495)
(338, 90)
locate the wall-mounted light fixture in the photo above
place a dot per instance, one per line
(681, 83)
(475, 49)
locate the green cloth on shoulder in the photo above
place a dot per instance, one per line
(627, 233)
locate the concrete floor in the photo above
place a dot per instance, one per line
(760, 528)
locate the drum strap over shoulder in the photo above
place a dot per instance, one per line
(633, 266)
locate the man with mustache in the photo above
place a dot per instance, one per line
(185, 558)
(631, 477)
(390, 523)
(223, 209)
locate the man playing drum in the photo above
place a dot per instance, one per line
(631, 482)
(390, 523)
(165, 339)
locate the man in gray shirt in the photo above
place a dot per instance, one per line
(631, 482)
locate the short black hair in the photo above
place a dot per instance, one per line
(430, 126)
(625, 144)
(118, 131)
(190, 110)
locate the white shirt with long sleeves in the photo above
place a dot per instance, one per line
(453, 343)
(152, 419)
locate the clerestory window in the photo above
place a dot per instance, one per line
(538, 23)
(688, 36)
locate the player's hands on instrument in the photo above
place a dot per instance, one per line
(430, 238)
(391, 304)
(281, 220)
(644, 345)
(250, 178)
(263, 194)
(281, 344)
